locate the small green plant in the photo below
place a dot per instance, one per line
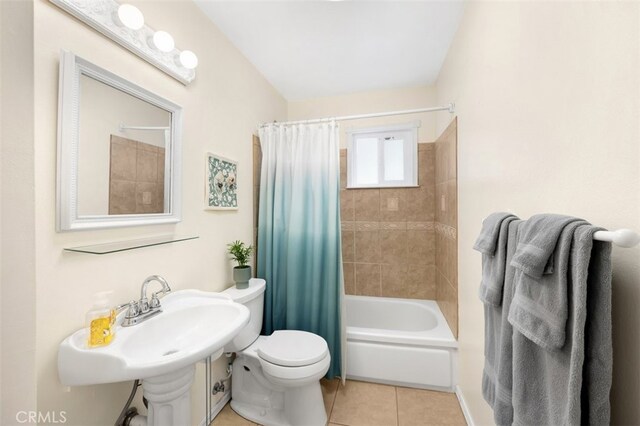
(240, 252)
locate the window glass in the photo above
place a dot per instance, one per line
(393, 158)
(366, 161)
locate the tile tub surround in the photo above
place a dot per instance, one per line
(371, 404)
(136, 177)
(388, 235)
(446, 224)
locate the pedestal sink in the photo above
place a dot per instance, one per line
(161, 351)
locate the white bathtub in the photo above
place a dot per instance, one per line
(402, 342)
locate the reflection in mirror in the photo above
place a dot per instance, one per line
(119, 151)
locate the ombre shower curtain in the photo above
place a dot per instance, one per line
(299, 247)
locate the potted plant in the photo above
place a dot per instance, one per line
(241, 253)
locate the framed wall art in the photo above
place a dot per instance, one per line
(221, 186)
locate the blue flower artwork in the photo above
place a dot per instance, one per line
(222, 184)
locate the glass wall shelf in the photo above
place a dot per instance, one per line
(117, 246)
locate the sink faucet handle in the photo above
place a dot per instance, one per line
(132, 306)
(155, 297)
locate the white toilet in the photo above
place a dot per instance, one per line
(276, 379)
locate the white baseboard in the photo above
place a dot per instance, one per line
(464, 407)
(217, 408)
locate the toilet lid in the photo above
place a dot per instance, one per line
(293, 348)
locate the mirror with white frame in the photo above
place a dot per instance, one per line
(119, 151)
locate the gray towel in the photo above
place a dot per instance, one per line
(488, 239)
(598, 353)
(497, 373)
(562, 386)
(492, 243)
(540, 236)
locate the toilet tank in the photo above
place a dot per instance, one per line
(253, 299)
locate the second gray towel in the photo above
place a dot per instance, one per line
(538, 241)
(570, 385)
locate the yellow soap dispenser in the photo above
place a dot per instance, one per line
(100, 321)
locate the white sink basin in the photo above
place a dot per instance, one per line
(193, 325)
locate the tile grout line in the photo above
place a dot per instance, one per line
(395, 388)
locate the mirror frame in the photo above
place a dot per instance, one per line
(67, 218)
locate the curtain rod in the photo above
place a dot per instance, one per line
(451, 108)
(123, 127)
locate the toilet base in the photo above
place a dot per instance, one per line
(256, 399)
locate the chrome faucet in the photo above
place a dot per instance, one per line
(155, 301)
(142, 310)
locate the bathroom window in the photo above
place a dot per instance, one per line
(383, 156)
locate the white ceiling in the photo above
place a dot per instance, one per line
(308, 49)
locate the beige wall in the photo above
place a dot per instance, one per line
(369, 102)
(18, 279)
(52, 288)
(548, 105)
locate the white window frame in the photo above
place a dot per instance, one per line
(410, 155)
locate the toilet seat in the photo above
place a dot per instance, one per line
(282, 375)
(293, 348)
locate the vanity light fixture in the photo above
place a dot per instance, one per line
(130, 16)
(125, 24)
(163, 41)
(188, 59)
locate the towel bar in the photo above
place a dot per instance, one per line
(622, 237)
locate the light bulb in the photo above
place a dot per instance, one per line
(188, 59)
(162, 41)
(130, 16)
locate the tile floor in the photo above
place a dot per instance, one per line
(371, 404)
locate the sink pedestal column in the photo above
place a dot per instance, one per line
(169, 398)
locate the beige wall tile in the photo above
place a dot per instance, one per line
(146, 147)
(122, 197)
(256, 204)
(343, 168)
(439, 252)
(366, 404)
(393, 204)
(451, 215)
(146, 199)
(393, 246)
(420, 204)
(441, 163)
(451, 261)
(367, 246)
(440, 194)
(423, 407)
(348, 246)
(146, 166)
(368, 279)
(423, 279)
(161, 158)
(349, 272)
(426, 165)
(393, 280)
(123, 159)
(420, 247)
(367, 204)
(447, 298)
(347, 212)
